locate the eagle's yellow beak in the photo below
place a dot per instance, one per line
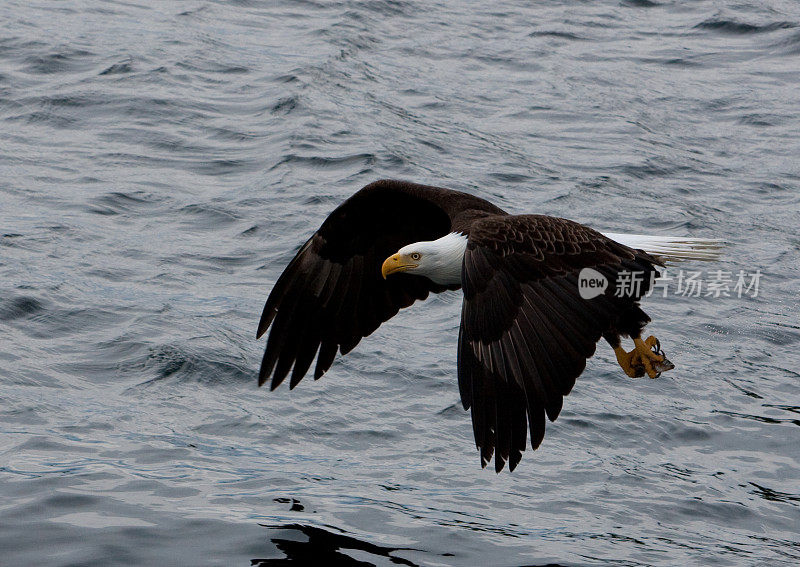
(396, 263)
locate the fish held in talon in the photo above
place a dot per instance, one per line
(528, 324)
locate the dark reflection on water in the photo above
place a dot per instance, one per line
(318, 546)
(323, 547)
(161, 163)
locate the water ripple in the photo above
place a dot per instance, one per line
(161, 164)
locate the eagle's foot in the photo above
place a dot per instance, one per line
(626, 362)
(646, 358)
(648, 354)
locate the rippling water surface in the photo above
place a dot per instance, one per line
(160, 163)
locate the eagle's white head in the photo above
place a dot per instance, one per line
(438, 260)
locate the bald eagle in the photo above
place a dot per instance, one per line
(526, 327)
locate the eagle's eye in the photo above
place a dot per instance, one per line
(415, 256)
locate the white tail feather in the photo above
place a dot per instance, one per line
(672, 247)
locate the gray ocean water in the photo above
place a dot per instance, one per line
(161, 162)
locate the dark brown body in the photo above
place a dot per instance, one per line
(525, 331)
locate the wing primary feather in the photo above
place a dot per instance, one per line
(305, 356)
(277, 337)
(331, 285)
(519, 429)
(544, 365)
(499, 364)
(565, 327)
(478, 409)
(552, 401)
(464, 372)
(326, 356)
(565, 355)
(264, 370)
(347, 320)
(285, 281)
(563, 376)
(289, 354)
(502, 425)
(536, 422)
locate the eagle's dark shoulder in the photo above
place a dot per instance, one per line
(545, 237)
(412, 207)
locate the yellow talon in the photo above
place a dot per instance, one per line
(646, 357)
(625, 360)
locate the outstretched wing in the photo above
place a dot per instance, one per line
(525, 330)
(332, 293)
